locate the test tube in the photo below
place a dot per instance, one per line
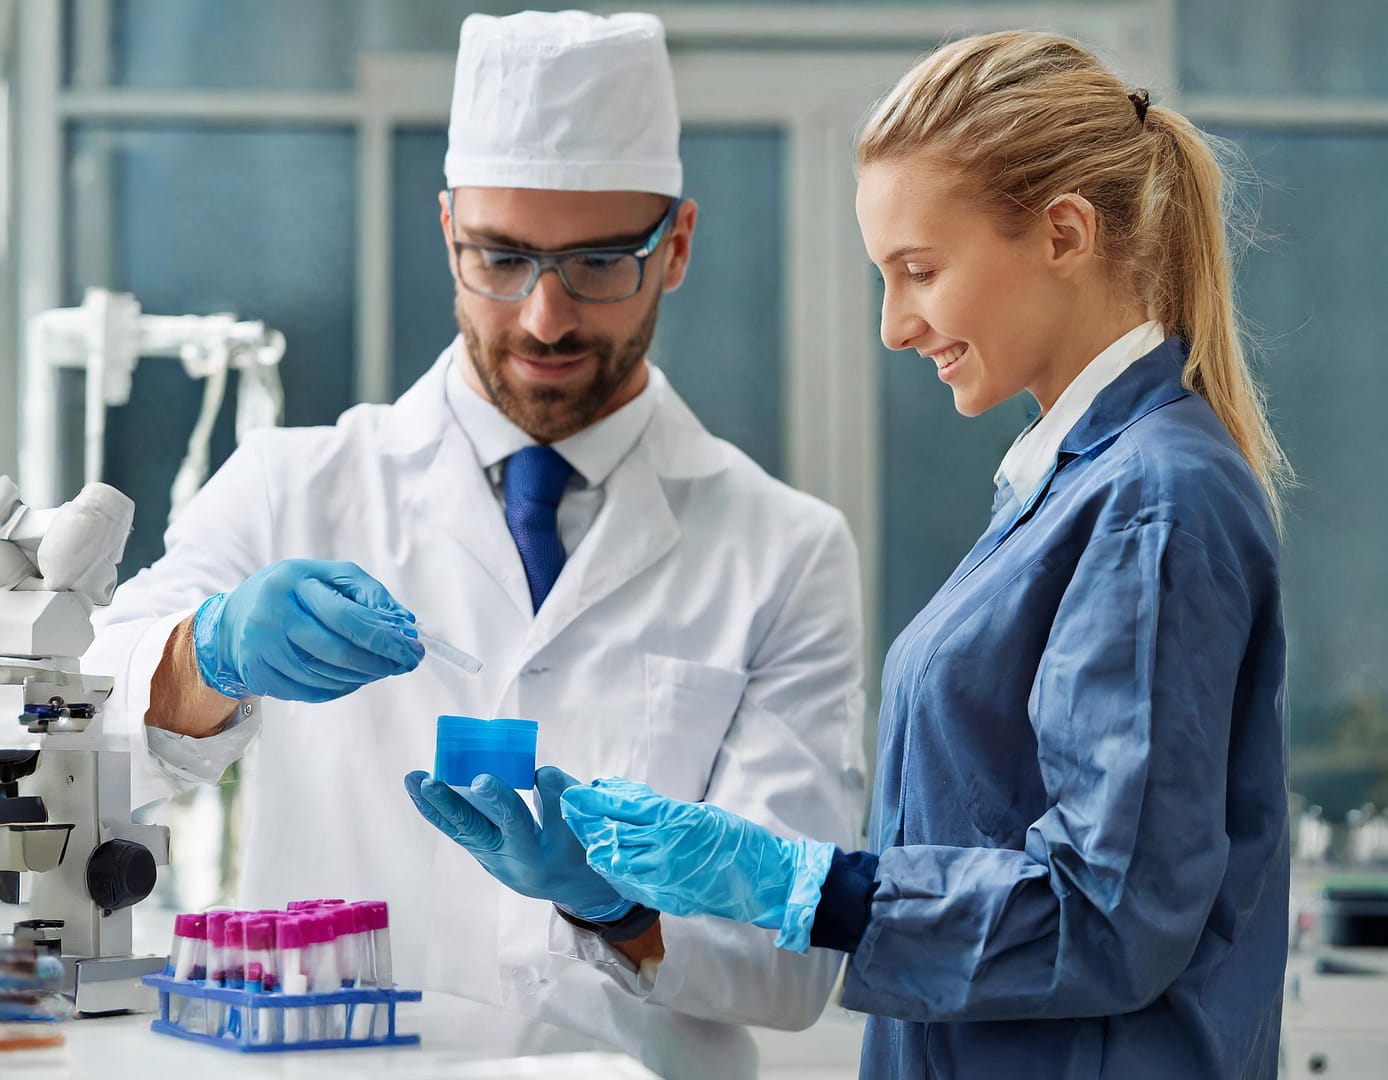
(375, 917)
(449, 654)
(377, 927)
(216, 968)
(234, 952)
(260, 965)
(289, 941)
(188, 956)
(234, 964)
(188, 963)
(321, 968)
(347, 943)
(360, 1016)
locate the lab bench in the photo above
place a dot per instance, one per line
(124, 1048)
(460, 1040)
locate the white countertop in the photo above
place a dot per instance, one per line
(460, 1040)
(457, 1044)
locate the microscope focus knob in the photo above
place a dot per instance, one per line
(119, 873)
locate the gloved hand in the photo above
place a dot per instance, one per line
(303, 630)
(697, 859)
(541, 860)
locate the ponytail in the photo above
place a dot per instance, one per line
(1184, 204)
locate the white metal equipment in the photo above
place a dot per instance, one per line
(65, 785)
(106, 337)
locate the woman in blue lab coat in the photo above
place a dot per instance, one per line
(1079, 860)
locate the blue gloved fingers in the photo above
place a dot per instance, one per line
(270, 678)
(500, 805)
(637, 893)
(550, 784)
(441, 806)
(325, 670)
(314, 641)
(356, 584)
(361, 626)
(641, 854)
(619, 799)
(643, 889)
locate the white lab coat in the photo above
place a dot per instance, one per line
(705, 637)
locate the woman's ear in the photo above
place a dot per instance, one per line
(1071, 231)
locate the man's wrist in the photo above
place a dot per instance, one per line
(179, 700)
(630, 926)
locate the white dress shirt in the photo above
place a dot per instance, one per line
(1032, 455)
(593, 452)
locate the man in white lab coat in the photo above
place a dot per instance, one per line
(679, 618)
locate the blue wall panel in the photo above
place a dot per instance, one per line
(261, 223)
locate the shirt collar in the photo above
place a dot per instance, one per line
(593, 452)
(1034, 452)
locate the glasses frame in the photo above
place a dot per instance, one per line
(540, 261)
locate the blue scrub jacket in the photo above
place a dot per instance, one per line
(1081, 797)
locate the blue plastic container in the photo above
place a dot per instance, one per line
(467, 746)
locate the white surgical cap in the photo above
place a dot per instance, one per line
(566, 101)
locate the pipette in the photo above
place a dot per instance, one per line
(449, 654)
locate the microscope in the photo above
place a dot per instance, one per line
(64, 784)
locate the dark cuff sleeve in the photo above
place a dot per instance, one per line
(845, 901)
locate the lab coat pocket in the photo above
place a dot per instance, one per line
(689, 707)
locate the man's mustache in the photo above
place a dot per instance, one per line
(568, 345)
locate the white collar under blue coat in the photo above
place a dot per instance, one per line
(593, 452)
(1034, 452)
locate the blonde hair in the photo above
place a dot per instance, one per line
(1024, 117)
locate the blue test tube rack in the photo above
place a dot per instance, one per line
(249, 1015)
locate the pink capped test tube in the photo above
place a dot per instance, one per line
(234, 951)
(188, 963)
(376, 925)
(376, 968)
(347, 941)
(258, 933)
(291, 946)
(260, 964)
(216, 967)
(320, 965)
(188, 956)
(216, 946)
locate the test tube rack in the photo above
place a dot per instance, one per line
(253, 1022)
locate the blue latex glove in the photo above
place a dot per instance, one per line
(303, 630)
(541, 860)
(697, 859)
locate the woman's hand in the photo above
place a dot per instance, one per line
(696, 859)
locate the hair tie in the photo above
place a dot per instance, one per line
(1140, 99)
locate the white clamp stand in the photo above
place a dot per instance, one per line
(106, 337)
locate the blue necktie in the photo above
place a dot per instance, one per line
(534, 483)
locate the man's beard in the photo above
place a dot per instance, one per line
(551, 413)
